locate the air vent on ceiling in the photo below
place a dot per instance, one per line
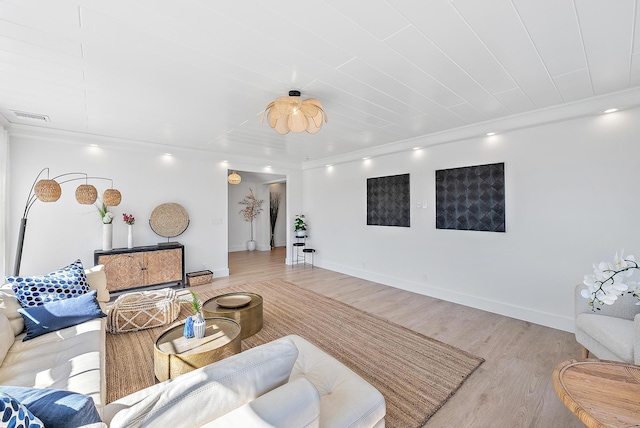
(31, 116)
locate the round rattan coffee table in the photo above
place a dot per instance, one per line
(174, 355)
(249, 315)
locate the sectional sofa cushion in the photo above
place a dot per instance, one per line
(9, 306)
(15, 414)
(200, 396)
(60, 314)
(71, 359)
(56, 408)
(6, 336)
(70, 281)
(98, 281)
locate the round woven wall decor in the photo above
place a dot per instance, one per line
(169, 220)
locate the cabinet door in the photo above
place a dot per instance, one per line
(123, 270)
(163, 266)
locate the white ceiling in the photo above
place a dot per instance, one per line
(198, 74)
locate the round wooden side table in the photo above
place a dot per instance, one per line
(248, 316)
(600, 393)
(174, 355)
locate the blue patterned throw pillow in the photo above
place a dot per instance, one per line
(64, 283)
(56, 408)
(14, 414)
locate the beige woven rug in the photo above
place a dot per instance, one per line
(416, 374)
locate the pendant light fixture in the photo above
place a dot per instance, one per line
(234, 178)
(292, 114)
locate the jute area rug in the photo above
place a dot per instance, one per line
(415, 374)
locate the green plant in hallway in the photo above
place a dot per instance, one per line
(300, 225)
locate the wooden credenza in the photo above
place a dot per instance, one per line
(149, 266)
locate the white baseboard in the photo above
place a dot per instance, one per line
(513, 311)
(219, 273)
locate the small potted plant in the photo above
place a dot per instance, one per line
(199, 325)
(300, 226)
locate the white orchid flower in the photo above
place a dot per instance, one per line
(608, 280)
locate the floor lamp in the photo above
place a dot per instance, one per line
(49, 190)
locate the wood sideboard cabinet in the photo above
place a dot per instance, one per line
(153, 265)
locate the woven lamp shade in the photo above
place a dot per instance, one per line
(86, 194)
(111, 197)
(47, 190)
(292, 114)
(234, 178)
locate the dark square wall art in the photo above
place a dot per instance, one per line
(471, 198)
(388, 201)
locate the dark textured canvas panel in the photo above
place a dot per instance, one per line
(389, 201)
(471, 198)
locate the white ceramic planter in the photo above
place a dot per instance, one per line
(199, 326)
(130, 236)
(107, 237)
(251, 245)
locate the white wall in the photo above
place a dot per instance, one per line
(58, 233)
(4, 200)
(571, 200)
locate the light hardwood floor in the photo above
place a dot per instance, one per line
(512, 388)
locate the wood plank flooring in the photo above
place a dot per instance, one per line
(512, 388)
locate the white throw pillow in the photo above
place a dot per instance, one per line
(9, 306)
(6, 337)
(202, 395)
(98, 281)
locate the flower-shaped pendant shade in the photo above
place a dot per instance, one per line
(292, 114)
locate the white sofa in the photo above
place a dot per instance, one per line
(285, 383)
(72, 359)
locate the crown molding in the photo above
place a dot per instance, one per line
(593, 106)
(4, 122)
(58, 136)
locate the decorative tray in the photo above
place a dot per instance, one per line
(232, 302)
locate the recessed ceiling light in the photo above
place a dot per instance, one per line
(489, 134)
(93, 145)
(417, 148)
(328, 165)
(168, 154)
(366, 158)
(225, 161)
(610, 110)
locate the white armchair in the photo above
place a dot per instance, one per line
(613, 332)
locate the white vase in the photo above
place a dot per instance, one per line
(130, 237)
(251, 245)
(107, 237)
(199, 327)
(301, 233)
